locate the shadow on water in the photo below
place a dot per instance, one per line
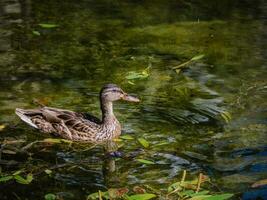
(184, 114)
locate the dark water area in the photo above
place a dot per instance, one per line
(210, 117)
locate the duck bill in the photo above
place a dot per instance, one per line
(130, 98)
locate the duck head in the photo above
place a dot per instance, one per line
(112, 92)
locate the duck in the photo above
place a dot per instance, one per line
(76, 126)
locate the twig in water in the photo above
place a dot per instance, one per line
(199, 182)
(183, 177)
(177, 189)
(100, 195)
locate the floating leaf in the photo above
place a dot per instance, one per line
(48, 171)
(2, 126)
(52, 140)
(195, 58)
(66, 141)
(175, 186)
(141, 197)
(126, 137)
(117, 140)
(131, 83)
(161, 144)
(219, 197)
(200, 197)
(198, 57)
(29, 177)
(55, 140)
(259, 183)
(50, 196)
(145, 161)
(226, 116)
(48, 25)
(143, 142)
(135, 75)
(138, 75)
(22, 180)
(17, 172)
(5, 178)
(187, 193)
(36, 33)
(178, 71)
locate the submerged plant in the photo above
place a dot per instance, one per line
(183, 190)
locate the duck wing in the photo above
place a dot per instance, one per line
(65, 123)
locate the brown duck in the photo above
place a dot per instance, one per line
(77, 126)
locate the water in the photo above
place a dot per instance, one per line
(180, 114)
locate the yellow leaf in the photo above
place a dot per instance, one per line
(2, 127)
(259, 183)
(143, 142)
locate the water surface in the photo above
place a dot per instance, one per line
(181, 114)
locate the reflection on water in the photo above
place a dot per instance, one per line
(180, 114)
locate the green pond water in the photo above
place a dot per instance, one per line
(209, 117)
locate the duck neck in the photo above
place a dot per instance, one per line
(107, 111)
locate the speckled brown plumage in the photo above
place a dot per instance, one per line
(77, 126)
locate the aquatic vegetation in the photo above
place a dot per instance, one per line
(17, 177)
(208, 117)
(48, 25)
(185, 190)
(180, 66)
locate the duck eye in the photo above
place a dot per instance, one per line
(116, 91)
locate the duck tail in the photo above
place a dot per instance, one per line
(23, 116)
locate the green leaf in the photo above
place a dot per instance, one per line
(143, 142)
(178, 71)
(220, 196)
(131, 83)
(200, 197)
(17, 172)
(50, 196)
(66, 141)
(22, 180)
(198, 57)
(138, 75)
(92, 196)
(29, 178)
(161, 144)
(145, 161)
(174, 186)
(36, 33)
(6, 178)
(126, 137)
(141, 197)
(187, 193)
(195, 58)
(48, 171)
(52, 140)
(48, 25)
(226, 116)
